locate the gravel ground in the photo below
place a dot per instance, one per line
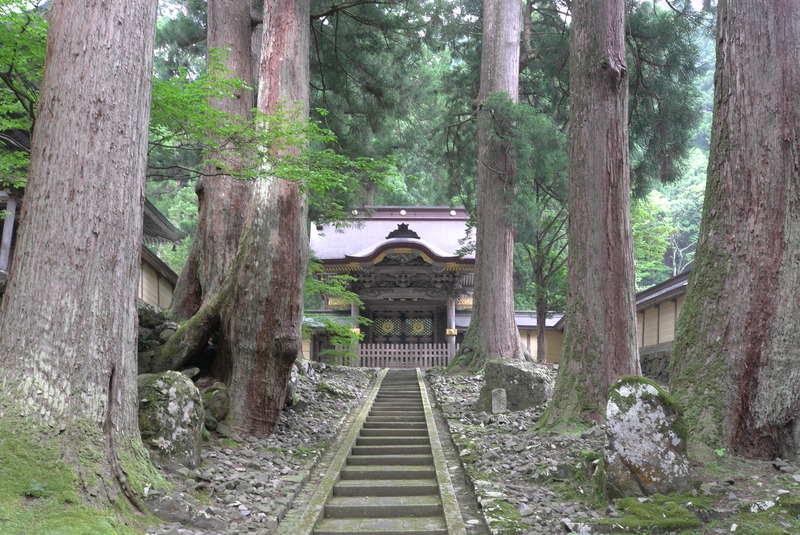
(245, 486)
(544, 483)
(525, 483)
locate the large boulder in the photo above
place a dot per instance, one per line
(526, 384)
(645, 449)
(171, 418)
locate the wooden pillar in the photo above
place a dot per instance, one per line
(8, 230)
(451, 324)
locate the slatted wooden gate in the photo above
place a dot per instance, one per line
(400, 356)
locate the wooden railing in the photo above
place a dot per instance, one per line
(404, 355)
(399, 356)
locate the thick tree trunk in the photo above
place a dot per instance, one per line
(260, 303)
(222, 198)
(493, 330)
(68, 319)
(263, 318)
(599, 336)
(735, 363)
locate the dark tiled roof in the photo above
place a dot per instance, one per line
(662, 291)
(156, 227)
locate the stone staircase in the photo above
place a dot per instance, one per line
(389, 483)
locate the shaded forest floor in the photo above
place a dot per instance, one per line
(525, 483)
(544, 483)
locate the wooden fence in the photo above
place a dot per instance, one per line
(401, 356)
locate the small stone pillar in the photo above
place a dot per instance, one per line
(499, 401)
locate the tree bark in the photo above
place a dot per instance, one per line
(493, 331)
(599, 336)
(259, 305)
(263, 318)
(222, 198)
(68, 319)
(734, 365)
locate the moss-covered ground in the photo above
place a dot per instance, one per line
(39, 491)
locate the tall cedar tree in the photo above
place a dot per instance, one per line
(68, 319)
(493, 331)
(259, 306)
(600, 325)
(222, 197)
(735, 363)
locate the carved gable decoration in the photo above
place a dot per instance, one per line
(402, 259)
(402, 231)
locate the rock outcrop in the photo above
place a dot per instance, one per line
(526, 384)
(171, 418)
(645, 448)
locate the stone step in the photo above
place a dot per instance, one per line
(383, 506)
(388, 482)
(396, 425)
(386, 487)
(410, 414)
(394, 406)
(392, 419)
(391, 432)
(391, 450)
(388, 472)
(392, 441)
(433, 525)
(413, 459)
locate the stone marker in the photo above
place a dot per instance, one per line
(526, 384)
(645, 449)
(499, 401)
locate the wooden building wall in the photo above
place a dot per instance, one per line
(553, 342)
(655, 325)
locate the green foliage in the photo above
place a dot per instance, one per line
(663, 98)
(180, 37)
(23, 31)
(651, 233)
(343, 331)
(377, 69)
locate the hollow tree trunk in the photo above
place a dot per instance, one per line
(68, 319)
(600, 324)
(735, 362)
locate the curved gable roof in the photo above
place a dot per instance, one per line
(442, 232)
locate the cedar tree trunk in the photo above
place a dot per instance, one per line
(259, 307)
(599, 336)
(735, 365)
(493, 330)
(68, 320)
(263, 319)
(222, 198)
